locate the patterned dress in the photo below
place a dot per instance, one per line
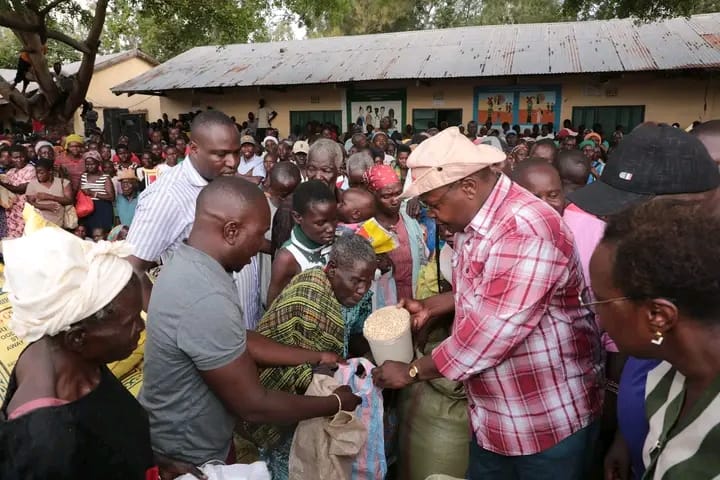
(306, 314)
(14, 218)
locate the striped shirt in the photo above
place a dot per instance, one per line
(247, 282)
(680, 448)
(98, 186)
(163, 219)
(165, 213)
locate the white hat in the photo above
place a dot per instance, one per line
(301, 146)
(54, 280)
(445, 158)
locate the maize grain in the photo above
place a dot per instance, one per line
(387, 323)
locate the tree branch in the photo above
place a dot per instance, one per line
(93, 37)
(13, 22)
(50, 6)
(68, 40)
(87, 65)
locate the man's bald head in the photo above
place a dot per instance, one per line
(709, 135)
(541, 179)
(545, 149)
(285, 173)
(574, 168)
(520, 172)
(284, 179)
(231, 218)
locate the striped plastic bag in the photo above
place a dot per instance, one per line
(370, 463)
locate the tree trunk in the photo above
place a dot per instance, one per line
(51, 104)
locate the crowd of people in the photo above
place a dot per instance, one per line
(572, 274)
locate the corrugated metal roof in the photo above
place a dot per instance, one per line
(486, 51)
(104, 61)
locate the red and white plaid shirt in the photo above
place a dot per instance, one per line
(528, 353)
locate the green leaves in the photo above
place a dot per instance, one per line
(165, 29)
(645, 10)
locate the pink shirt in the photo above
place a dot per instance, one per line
(588, 231)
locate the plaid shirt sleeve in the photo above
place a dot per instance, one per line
(498, 305)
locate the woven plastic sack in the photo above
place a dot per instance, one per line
(434, 426)
(370, 463)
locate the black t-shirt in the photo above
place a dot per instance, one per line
(103, 435)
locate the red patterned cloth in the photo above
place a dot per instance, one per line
(528, 353)
(380, 176)
(15, 221)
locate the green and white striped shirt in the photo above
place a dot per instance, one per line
(686, 448)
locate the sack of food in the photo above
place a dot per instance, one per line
(434, 425)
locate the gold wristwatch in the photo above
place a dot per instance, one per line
(413, 372)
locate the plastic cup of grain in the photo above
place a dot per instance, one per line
(387, 330)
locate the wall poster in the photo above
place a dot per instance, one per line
(524, 106)
(366, 107)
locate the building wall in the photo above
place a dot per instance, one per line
(101, 97)
(666, 99)
(238, 102)
(682, 99)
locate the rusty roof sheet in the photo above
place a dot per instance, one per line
(485, 51)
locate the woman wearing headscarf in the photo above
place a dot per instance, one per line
(17, 179)
(65, 415)
(48, 193)
(71, 164)
(410, 256)
(654, 277)
(99, 187)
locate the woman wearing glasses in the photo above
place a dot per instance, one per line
(657, 292)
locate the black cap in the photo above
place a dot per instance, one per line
(652, 160)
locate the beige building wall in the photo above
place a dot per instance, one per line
(238, 102)
(101, 97)
(682, 99)
(669, 100)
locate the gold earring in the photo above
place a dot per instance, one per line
(658, 340)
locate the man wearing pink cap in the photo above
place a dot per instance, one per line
(528, 353)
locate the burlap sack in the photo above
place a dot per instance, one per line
(325, 447)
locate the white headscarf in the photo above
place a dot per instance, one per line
(54, 280)
(271, 138)
(40, 144)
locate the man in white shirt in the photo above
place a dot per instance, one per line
(251, 166)
(265, 116)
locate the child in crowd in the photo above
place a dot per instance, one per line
(314, 210)
(171, 157)
(80, 231)
(148, 173)
(356, 206)
(108, 167)
(269, 162)
(118, 233)
(98, 234)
